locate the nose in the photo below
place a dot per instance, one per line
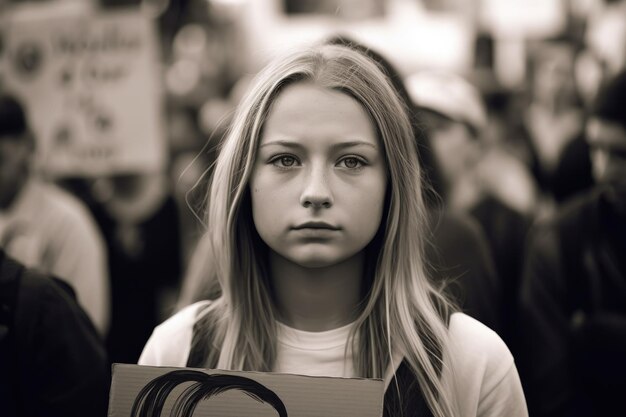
(316, 192)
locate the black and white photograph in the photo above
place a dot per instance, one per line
(313, 208)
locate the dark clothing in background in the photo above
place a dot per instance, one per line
(138, 274)
(460, 256)
(52, 362)
(572, 174)
(573, 311)
(506, 231)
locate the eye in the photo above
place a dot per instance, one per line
(287, 160)
(284, 161)
(351, 162)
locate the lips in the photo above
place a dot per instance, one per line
(316, 226)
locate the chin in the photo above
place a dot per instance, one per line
(305, 257)
(317, 259)
(315, 262)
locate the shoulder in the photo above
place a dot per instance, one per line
(55, 197)
(170, 342)
(47, 297)
(61, 207)
(69, 205)
(474, 344)
(48, 315)
(483, 371)
(38, 292)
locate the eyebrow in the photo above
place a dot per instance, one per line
(342, 145)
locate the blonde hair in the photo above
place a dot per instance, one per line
(402, 311)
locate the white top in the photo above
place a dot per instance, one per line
(49, 229)
(314, 353)
(484, 377)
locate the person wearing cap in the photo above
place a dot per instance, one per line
(490, 185)
(43, 226)
(572, 305)
(453, 112)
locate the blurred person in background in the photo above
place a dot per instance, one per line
(555, 118)
(573, 297)
(507, 131)
(605, 39)
(52, 361)
(45, 227)
(573, 71)
(138, 217)
(478, 178)
(188, 164)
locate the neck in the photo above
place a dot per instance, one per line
(317, 299)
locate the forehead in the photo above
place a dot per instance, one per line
(304, 110)
(603, 132)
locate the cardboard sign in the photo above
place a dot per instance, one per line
(92, 88)
(140, 391)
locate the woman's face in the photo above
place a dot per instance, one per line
(452, 144)
(319, 180)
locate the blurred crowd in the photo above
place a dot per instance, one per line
(526, 182)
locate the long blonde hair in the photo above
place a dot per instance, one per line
(401, 311)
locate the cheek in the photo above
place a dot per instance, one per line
(447, 143)
(367, 208)
(447, 153)
(262, 207)
(440, 145)
(269, 205)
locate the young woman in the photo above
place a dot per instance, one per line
(315, 225)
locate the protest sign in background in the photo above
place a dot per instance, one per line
(91, 84)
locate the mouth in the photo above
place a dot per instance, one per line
(316, 226)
